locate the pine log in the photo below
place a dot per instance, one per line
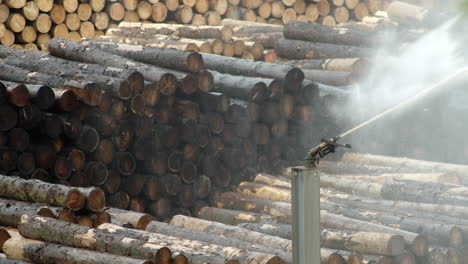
(442, 178)
(210, 249)
(42, 252)
(310, 50)
(37, 191)
(274, 181)
(181, 60)
(267, 40)
(12, 210)
(244, 88)
(198, 235)
(6, 260)
(234, 232)
(407, 13)
(292, 76)
(271, 229)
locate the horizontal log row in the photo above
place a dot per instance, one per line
(29, 24)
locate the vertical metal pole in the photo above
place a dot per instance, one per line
(306, 215)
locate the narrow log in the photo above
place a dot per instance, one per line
(234, 232)
(264, 191)
(230, 217)
(137, 220)
(269, 228)
(38, 191)
(313, 50)
(42, 252)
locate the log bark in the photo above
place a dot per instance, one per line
(38, 191)
(210, 249)
(292, 76)
(341, 65)
(312, 50)
(365, 242)
(43, 252)
(267, 40)
(198, 235)
(234, 232)
(442, 178)
(271, 229)
(264, 191)
(274, 181)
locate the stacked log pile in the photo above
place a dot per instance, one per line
(155, 139)
(374, 209)
(30, 23)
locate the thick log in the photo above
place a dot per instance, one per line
(325, 34)
(119, 200)
(38, 191)
(269, 228)
(211, 249)
(176, 59)
(313, 50)
(43, 252)
(198, 235)
(442, 178)
(267, 40)
(240, 87)
(274, 181)
(12, 210)
(365, 242)
(293, 77)
(233, 231)
(95, 198)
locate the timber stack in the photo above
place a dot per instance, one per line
(155, 138)
(31, 23)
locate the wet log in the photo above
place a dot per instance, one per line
(314, 50)
(233, 231)
(198, 235)
(442, 178)
(326, 34)
(43, 252)
(12, 210)
(365, 242)
(170, 58)
(269, 228)
(292, 76)
(41, 192)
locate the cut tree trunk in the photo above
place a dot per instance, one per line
(264, 191)
(230, 217)
(313, 50)
(181, 60)
(342, 65)
(325, 34)
(365, 242)
(240, 87)
(41, 192)
(137, 220)
(293, 77)
(12, 210)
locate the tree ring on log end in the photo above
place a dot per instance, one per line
(75, 200)
(194, 62)
(294, 79)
